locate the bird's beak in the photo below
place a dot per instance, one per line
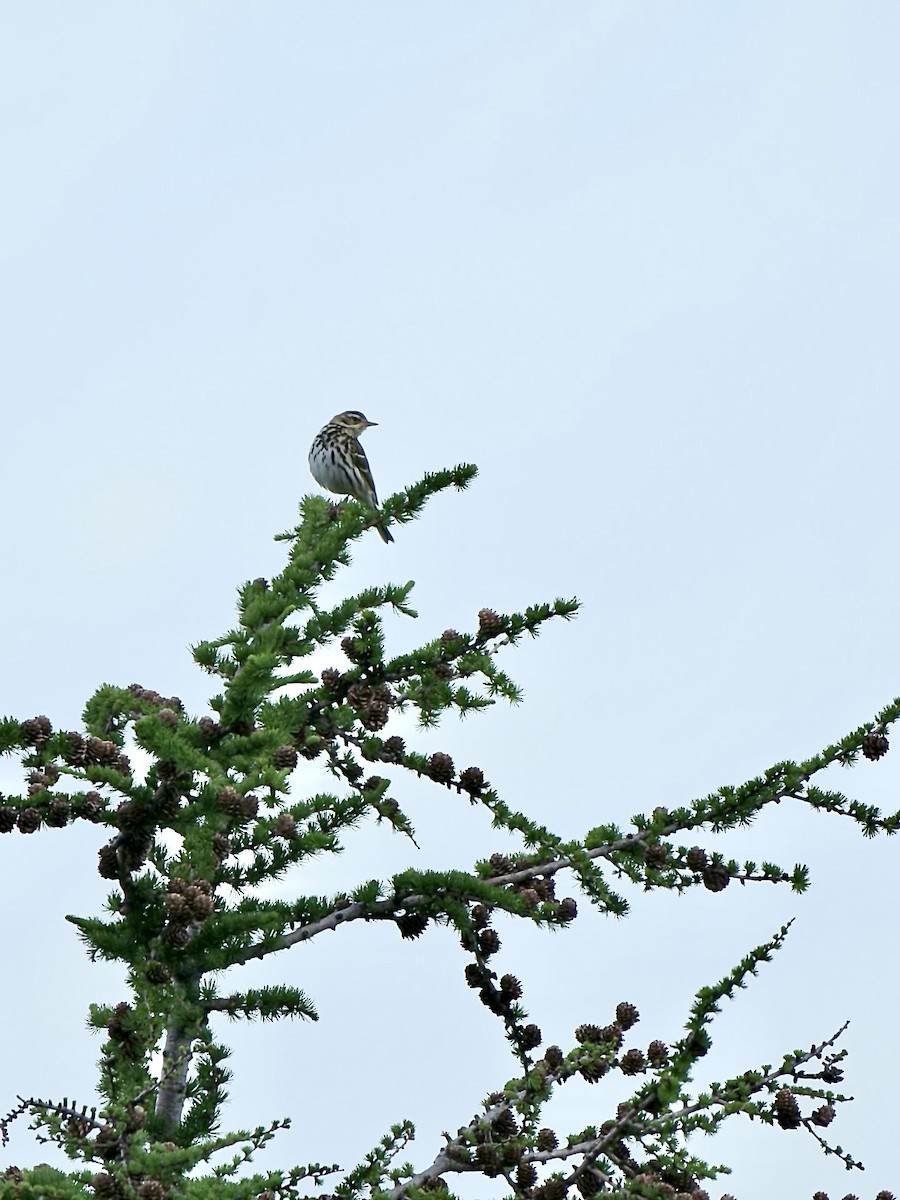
(370, 423)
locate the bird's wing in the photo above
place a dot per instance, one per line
(361, 463)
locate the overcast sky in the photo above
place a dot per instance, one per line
(637, 261)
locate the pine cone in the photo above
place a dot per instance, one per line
(100, 751)
(393, 749)
(129, 815)
(526, 1176)
(612, 1035)
(475, 975)
(567, 910)
(553, 1189)
(480, 916)
(118, 1026)
(177, 908)
(152, 1189)
(716, 878)
(546, 1140)
(91, 806)
(29, 820)
(656, 856)
(230, 801)
(7, 820)
(285, 757)
(167, 774)
(824, 1116)
(488, 942)
(627, 1015)
(554, 1057)
(531, 1037)
(106, 1143)
(440, 768)
(471, 780)
(593, 1072)
(359, 695)
(176, 936)
(157, 973)
(592, 1034)
(58, 813)
(108, 862)
(511, 987)
(167, 802)
(875, 746)
(74, 750)
(489, 623)
(488, 1158)
(351, 648)
(504, 1125)
(285, 826)
(375, 716)
(658, 1053)
(786, 1109)
(201, 904)
(545, 888)
(590, 1182)
(221, 846)
(697, 1043)
(35, 731)
(413, 925)
(210, 729)
(632, 1062)
(697, 859)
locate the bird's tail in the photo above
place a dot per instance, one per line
(386, 535)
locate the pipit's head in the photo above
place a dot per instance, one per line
(354, 422)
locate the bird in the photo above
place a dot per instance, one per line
(338, 462)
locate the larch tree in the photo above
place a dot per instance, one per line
(223, 811)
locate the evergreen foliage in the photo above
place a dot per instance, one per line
(188, 845)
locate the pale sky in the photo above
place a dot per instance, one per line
(638, 262)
